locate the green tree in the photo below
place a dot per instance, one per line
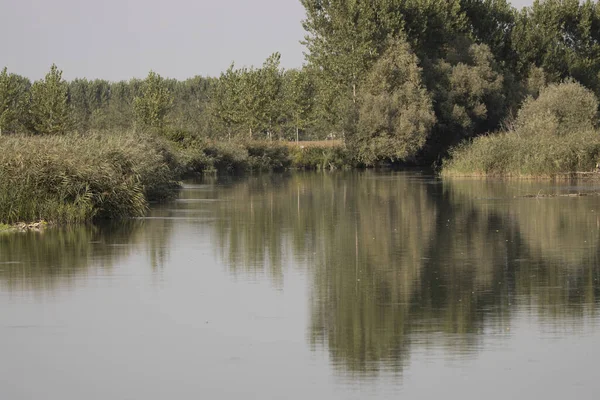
(469, 93)
(268, 95)
(227, 100)
(79, 104)
(562, 37)
(9, 98)
(492, 22)
(396, 113)
(153, 103)
(561, 109)
(299, 92)
(49, 106)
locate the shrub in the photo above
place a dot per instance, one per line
(315, 158)
(268, 156)
(559, 109)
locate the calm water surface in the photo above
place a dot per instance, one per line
(312, 286)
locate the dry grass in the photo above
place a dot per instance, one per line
(323, 144)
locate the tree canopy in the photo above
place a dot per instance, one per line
(397, 80)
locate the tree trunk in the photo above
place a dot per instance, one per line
(296, 135)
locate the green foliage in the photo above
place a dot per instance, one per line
(268, 156)
(72, 179)
(396, 113)
(470, 95)
(492, 23)
(321, 158)
(153, 103)
(553, 134)
(560, 109)
(249, 101)
(298, 93)
(562, 37)
(227, 104)
(9, 98)
(510, 155)
(49, 107)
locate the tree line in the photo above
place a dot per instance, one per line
(249, 103)
(397, 80)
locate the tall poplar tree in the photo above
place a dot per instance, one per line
(299, 95)
(227, 100)
(153, 103)
(9, 96)
(49, 106)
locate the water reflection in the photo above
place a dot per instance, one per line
(55, 258)
(406, 260)
(395, 262)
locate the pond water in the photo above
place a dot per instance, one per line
(326, 286)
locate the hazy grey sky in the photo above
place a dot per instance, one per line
(120, 39)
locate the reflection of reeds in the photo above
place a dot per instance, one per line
(56, 257)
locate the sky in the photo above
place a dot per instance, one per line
(121, 39)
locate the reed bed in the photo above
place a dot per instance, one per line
(78, 178)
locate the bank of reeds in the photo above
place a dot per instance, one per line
(200, 156)
(74, 179)
(537, 156)
(553, 136)
(79, 178)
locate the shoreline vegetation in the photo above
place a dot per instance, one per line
(554, 136)
(471, 87)
(74, 179)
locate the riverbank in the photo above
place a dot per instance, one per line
(73, 179)
(554, 136)
(24, 227)
(510, 155)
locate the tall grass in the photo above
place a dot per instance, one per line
(510, 155)
(79, 178)
(198, 155)
(321, 158)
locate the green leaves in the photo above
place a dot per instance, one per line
(154, 102)
(49, 108)
(9, 96)
(396, 112)
(299, 92)
(250, 99)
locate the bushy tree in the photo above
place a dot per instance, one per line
(153, 103)
(492, 22)
(49, 108)
(469, 94)
(396, 113)
(560, 109)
